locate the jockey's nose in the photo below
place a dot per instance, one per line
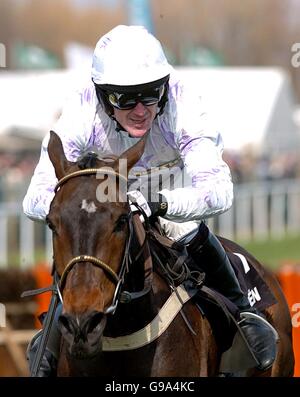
(139, 109)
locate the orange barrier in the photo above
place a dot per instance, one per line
(289, 278)
(42, 275)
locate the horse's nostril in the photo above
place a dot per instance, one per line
(85, 328)
(93, 322)
(81, 324)
(66, 322)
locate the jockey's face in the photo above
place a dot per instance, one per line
(138, 120)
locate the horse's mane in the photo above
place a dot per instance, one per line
(91, 160)
(88, 161)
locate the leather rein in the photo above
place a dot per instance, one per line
(118, 279)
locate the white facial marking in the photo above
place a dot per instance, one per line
(88, 207)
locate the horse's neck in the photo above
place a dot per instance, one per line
(130, 317)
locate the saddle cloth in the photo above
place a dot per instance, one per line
(252, 284)
(215, 306)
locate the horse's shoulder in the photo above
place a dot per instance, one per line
(232, 246)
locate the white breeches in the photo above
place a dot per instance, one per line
(175, 230)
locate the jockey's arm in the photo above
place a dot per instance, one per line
(74, 134)
(208, 188)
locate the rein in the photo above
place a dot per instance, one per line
(89, 171)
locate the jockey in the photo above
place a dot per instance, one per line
(134, 90)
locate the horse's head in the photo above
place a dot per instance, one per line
(89, 220)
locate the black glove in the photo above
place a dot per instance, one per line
(158, 207)
(155, 208)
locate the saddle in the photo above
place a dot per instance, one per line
(171, 261)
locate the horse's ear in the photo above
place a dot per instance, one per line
(57, 155)
(133, 154)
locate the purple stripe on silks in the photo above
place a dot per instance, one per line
(36, 200)
(198, 179)
(86, 95)
(144, 161)
(91, 141)
(168, 135)
(45, 200)
(176, 90)
(98, 135)
(188, 144)
(71, 150)
(104, 42)
(207, 199)
(219, 141)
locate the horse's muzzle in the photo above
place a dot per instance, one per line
(82, 333)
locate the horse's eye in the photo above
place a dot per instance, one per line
(50, 224)
(121, 222)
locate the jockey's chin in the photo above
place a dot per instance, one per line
(137, 133)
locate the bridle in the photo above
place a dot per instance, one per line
(118, 279)
(89, 171)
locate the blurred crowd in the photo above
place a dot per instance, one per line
(15, 172)
(247, 167)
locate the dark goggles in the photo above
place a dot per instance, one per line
(125, 101)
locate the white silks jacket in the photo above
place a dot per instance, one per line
(182, 142)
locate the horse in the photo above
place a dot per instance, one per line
(91, 253)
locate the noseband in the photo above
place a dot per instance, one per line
(116, 278)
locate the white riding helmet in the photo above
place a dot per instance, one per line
(129, 55)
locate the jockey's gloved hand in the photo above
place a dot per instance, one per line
(135, 196)
(157, 207)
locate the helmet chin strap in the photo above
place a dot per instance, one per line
(119, 127)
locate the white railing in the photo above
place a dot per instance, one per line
(21, 240)
(260, 211)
